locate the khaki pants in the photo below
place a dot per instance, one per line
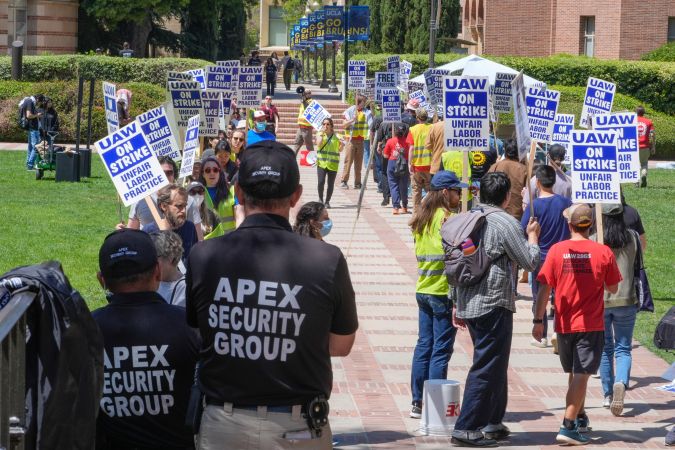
(645, 153)
(420, 180)
(240, 429)
(354, 155)
(304, 136)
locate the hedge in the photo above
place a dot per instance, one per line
(651, 82)
(64, 97)
(664, 53)
(114, 69)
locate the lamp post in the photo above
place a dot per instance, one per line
(333, 85)
(434, 16)
(346, 41)
(324, 81)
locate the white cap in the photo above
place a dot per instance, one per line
(258, 114)
(241, 124)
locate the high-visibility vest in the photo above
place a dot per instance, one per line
(360, 127)
(328, 154)
(420, 156)
(453, 161)
(225, 212)
(431, 257)
(301, 118)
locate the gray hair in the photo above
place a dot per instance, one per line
(168, 245)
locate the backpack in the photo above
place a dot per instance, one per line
(664, 335)
(401, 166)
(21, 118)
(466, 262)
(290, 64)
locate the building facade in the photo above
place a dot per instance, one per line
(608, 29)
(44, 26)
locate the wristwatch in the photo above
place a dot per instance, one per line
(537, 321)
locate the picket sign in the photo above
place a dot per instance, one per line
(598, 100)
(190, 147)
(384, 80)
(156, 127)
(315, 114)
(357, 74)
(562, 127)
(625, 124)
(391, 106)
(110, 102)
(520, 115)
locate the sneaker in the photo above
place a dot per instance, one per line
(607, 401)
(357, 186)
(583, 423)
(395, 212)
(497, 432)
(327, 205)
(643, 182)
(344, 185)
(618, 392)
(541, 344)
(385, 201)
(416, 410)
(405, 211)
(571, 437)
(554, 343)
(670, 437)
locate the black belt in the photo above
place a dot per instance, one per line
(270, 408)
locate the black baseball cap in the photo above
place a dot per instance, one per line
(269, 161)
(126, 252)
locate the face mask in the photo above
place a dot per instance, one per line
(326, 226)
(260, 126)
(198, 199)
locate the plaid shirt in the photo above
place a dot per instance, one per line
(503, 236)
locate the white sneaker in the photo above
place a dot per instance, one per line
(541, 344)
(618, 393)
(607, 402)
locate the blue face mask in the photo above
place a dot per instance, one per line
(326, 226)
(260, 126)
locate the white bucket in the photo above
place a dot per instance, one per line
(440, 407)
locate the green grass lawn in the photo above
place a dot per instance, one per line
(67, 221)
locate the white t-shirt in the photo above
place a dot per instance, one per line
(173, 292)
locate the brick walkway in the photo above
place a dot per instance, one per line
(371, 393)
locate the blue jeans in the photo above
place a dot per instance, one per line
(378, 168)
(366, 152)
(33, 141)
(398, 185)
(486, 387)
(619, 324)
(434, 343)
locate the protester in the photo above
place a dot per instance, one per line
(144, 339)
(235, 118)
(169, 249)
(49, 121)
(271, 115)
(374, 143)
(219, 197)
(30, 108)
(328, 159)
(383, 133)
(304, 134)
(548, 209)
(620, 309)
(140, 216)
(395, 148)
(517, 173)
(172, 203)
(229, 129)
(289, 66)
(196, 191)
(259, 133)
(312, 221)
(580, 271)
(270, 76)
(196, 170)
(487, 309)
(357, 123)
(256, 383)
(224, 156)
(481, 160)
(366, 138)
(409, 115)
(646, 143)
(435, 145)
(237, 143)
(254, 60)
(124, 106)
(297, 63)
(563, 183)
(436, 334)
(126, 51)
(631, 218)
(420, 159)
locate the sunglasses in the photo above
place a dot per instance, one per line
(168, 173)
(212, 170)
(237, 139)
(198, 191)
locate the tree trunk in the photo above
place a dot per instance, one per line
(137, 35)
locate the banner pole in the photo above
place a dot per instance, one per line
(530, 163)
(599, 227)
(465, 178)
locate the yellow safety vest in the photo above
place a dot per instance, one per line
(301, 118)
(225, 212)
(328, 155)
(431, 257)
(453, 161)
(420, 156)
(360, 127)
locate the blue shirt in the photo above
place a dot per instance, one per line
(253, 137)
(548, 211)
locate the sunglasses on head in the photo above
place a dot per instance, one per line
(212, 170)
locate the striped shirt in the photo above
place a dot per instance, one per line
(503, 236)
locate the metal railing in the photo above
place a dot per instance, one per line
(13, 370)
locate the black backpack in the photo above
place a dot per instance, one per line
(466, 262)
(21, 118)
(401, 166)
(290, 64)
(664, 335)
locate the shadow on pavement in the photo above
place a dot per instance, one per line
(371, 437)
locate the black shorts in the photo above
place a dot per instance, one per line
(581, 352)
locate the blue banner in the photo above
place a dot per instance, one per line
(320, 26)
(335, 26)
(304, 32)
(359, 23)
(312, 27)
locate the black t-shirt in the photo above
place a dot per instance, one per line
(149, 363)
(265, 300)
(481, 161)
(33, 123)
(632, 219)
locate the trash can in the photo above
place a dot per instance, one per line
(67, 166)
(85, 162)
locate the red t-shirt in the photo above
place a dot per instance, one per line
(579, 271)
(394, 146)
(644, 126)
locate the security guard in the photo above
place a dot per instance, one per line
(150, 352)
(272, 307)
(420, 163)
(304, 134)
(436, 332)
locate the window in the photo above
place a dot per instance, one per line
(588, 35)
(278, 33)
(671, 29)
